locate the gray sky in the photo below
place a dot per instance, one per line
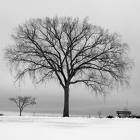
(121, 16)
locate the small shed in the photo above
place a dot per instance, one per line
(123, 113)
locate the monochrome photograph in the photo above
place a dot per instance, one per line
(69, 69)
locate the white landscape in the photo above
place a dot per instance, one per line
(72, 128)
(62, 47)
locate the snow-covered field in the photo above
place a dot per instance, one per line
(55, 128)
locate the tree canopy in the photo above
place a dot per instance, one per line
(71, 51)
(22, 102)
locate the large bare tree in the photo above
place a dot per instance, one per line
(71, 51)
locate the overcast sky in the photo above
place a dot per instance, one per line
(121, 16)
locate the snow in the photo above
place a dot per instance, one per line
(73, 128)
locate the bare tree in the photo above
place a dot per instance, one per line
(99, 114)
(71, 51)
(22, 102)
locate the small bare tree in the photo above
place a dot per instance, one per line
(70, 51)
(22, 102)
(99, 114)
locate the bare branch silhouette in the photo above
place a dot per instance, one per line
(71, 51)
(22, 102)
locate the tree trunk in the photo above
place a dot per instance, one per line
(20, 112)
(66, 102)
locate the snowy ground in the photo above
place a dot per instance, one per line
(55, 128)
